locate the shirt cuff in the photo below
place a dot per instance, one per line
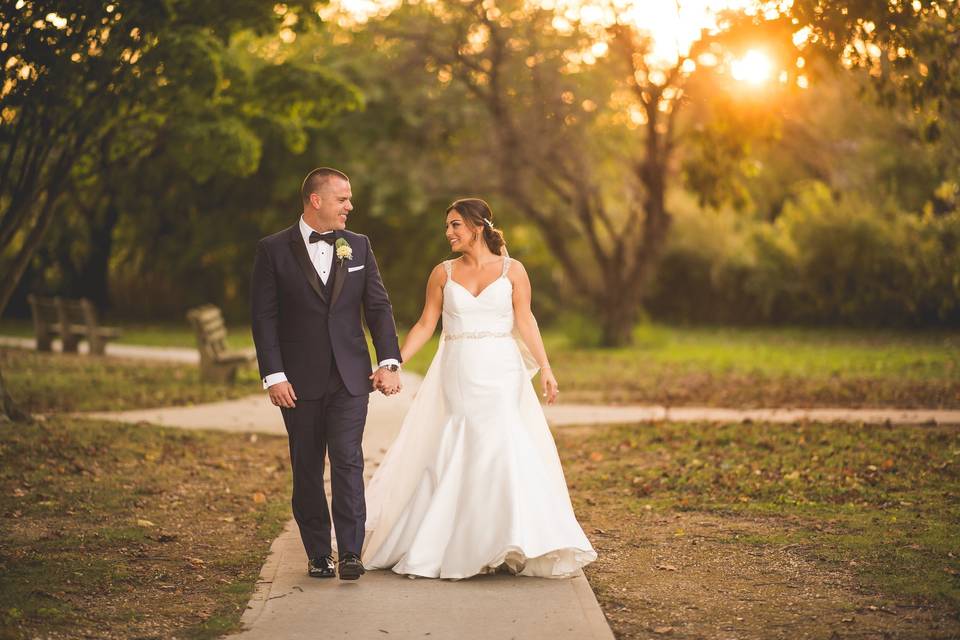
(273, 379)
(389, 361)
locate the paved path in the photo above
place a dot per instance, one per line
(256, 414)
(141, 352)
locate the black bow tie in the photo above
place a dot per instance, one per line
(327, 237)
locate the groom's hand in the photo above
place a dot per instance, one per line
(386, 381)
(282, 395)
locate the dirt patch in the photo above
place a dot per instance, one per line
(696, 575)
(757, 530)
(133, 531)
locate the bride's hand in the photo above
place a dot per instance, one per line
(550, 387)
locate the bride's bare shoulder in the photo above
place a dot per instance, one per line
(438, 275)
(515, 269)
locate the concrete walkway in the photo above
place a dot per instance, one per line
(256, 414)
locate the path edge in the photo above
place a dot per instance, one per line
(264, 585)
(599, 625)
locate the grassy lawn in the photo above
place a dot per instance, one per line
(764, 367)
(50, 382)
(759, 530)
(745, 368)
(119, 531)
(731, 367)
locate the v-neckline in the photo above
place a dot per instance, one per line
(484, 290)
(475, 297)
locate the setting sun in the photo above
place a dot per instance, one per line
(755, 67)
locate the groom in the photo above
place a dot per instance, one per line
(310, 283)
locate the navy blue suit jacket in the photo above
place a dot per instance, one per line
(299, 325)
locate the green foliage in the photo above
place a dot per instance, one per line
(837, 259)
(201, 118)
(908, 45)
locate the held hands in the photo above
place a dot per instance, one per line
(282, 395)
(550, 387)
(386, 382)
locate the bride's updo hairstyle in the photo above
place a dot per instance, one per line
(476, 213)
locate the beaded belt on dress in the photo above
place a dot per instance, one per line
(476, 335)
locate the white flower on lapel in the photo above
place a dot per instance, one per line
(344, 250)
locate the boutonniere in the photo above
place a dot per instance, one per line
(344, 250)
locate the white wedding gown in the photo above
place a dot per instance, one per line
(473, 481)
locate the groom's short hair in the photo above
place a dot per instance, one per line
(316, 179)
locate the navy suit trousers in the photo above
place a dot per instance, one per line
(332, 425)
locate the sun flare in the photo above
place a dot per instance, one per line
(754, 67)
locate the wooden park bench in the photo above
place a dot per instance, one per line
(217, 362)
(72, 320)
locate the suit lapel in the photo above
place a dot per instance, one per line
(339, 273)
(303, 259)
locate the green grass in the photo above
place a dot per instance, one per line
(881, 499)
(737, 367)
(764, 367)
(49, 382)
(131, 529)
(791, 351)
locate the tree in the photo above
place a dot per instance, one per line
(579, 127)
(97, 91)
(908, 46)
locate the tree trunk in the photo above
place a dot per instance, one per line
(94, 274)
(30, 244)
(616, 323)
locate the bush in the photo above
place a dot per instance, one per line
(826, 259)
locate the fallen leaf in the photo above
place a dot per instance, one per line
(259, 497)
(666, 567)
(662, 630)
(144, 523)
(596, 456)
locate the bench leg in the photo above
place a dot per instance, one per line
(44, 342)
(70, 343)
(98, 346)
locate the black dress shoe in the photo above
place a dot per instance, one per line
(321, 567)
(351, 567)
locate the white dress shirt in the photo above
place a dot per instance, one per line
(321, 257)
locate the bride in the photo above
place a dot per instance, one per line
(473, 482)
